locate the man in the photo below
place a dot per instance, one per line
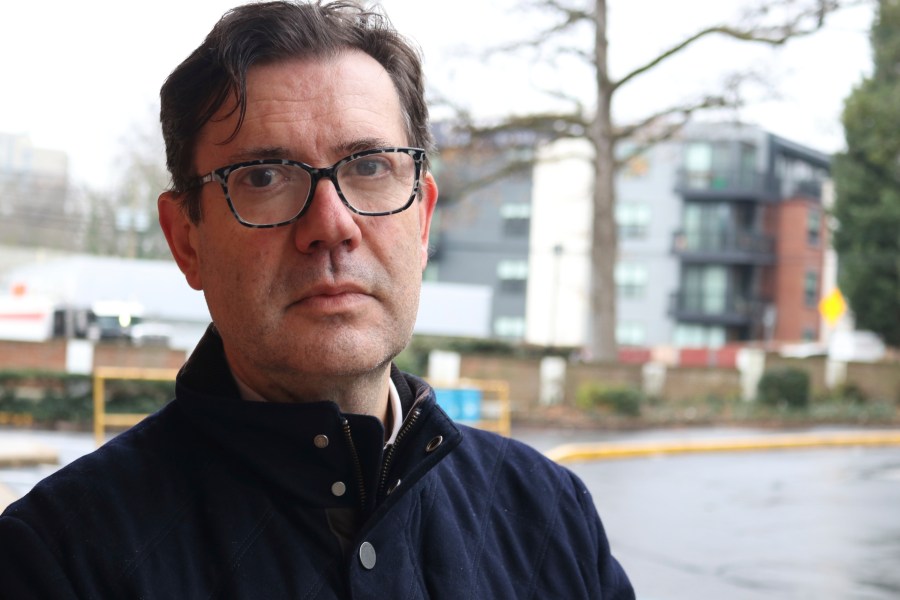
(295, 462)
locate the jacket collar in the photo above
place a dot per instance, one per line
(312, 453)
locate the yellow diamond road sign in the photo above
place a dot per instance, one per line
(832, 307)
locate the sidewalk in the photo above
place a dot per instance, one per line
(17, 453)
(25, 453)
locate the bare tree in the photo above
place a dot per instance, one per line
(123, 221)
(769, 22)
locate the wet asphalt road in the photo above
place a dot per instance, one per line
(822, 524)
(801, 524)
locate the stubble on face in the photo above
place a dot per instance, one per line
(326, 352)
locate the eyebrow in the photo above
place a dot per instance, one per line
(280, 152)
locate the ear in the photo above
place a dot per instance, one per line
(181, 234)
(426, 206)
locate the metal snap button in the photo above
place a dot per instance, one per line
(338, 488)
(367, 556)
(434, 443)
(321, 441)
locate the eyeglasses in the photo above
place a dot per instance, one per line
(275, 192)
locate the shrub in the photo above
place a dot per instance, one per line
(784, 388)
(624, 401)
(851, 392)
(49, 397)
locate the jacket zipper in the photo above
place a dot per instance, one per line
(357, 465)
(392, 450)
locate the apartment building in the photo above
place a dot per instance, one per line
(722, 238)
(34, 193)
(752, 238)
(481, 229)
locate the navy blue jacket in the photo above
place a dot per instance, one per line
(215, 497)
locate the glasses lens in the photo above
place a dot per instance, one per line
(378, 183)
(268, 194)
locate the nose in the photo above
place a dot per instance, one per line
(327, 223)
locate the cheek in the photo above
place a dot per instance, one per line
(233, 273)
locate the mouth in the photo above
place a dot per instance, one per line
(333, 298)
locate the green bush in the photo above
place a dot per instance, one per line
(50, 397)
(850, 392)
(784, 388)
(625, 401)
(46, 396)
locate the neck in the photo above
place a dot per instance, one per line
(366, 395)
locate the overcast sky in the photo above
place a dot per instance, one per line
(79, 76)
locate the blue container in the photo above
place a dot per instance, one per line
(469, 404)
(460, 404)
(448, 399)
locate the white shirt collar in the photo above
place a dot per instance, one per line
(396, 411)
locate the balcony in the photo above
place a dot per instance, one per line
(727, 184)
(724, 247)
(711, 309)
(804, 188)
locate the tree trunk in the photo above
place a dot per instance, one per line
(602, 338)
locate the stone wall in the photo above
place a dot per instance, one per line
(522, 375)
(51, 355)
(878, 381)
(689, 383)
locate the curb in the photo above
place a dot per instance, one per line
(606, 451)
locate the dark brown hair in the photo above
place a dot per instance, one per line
(254, 34)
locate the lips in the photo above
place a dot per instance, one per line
(330, 298)
(333, 290)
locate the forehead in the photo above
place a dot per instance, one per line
(314, 109)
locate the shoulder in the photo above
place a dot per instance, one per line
(530, 507)
(112, 480)
(510, 466)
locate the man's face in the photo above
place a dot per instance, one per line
(333, 295)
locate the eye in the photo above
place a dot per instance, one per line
(369, 166)
(259, 177)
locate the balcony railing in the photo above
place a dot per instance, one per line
(729, 309)
(727, 183)
(724, 246)
(809, 188)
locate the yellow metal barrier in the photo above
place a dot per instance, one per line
(495, 404)
(102, 420)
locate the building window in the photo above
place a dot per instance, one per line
(633, 220)
(513, 275)
(509, 327)
(706, 165)
(813, 226)
(516, 219)
(706, 226)
(699, 336)
(704, 289)
(630, 333)
(811, 289)
(631, 280)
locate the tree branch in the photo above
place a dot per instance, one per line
(805, 22)
(571, 17)
(684, 111)
(544, 126)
